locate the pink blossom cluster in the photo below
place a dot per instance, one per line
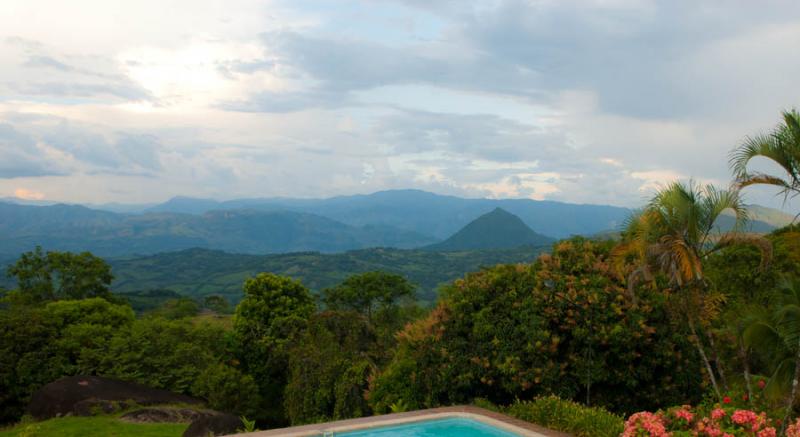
(645, 424)
(719, 422)
(793, 430)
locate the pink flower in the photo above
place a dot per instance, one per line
(761, 384)
(684, 414)
(645, 421)
(741, 417)
(718, 413)
(767, 432)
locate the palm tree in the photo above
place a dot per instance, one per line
(775, 334)
(672, 236)
(782, 146)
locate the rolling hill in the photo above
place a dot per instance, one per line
(497, 229)
(200, 272)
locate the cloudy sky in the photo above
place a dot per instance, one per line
(579, 101)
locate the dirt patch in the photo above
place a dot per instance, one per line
(87, 395)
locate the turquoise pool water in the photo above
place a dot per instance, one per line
(455, 427)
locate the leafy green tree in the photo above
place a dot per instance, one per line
(673, 236)
(273, 311)
(161, 353)
(180, 308)
(781, 146)
(562, 326)
(328, 369)
(217, 303)
(39, 344)
(368, 293)
(51, 276)
(228, 389)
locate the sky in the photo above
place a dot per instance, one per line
(592, 101)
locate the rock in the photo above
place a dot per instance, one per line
(166, 415)
(93, 407)
(86, 395)
(219, 424)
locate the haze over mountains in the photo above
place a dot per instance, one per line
(399, 219)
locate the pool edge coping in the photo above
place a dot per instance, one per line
(502, 421)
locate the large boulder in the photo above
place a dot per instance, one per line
(216, 425)
(82, 395)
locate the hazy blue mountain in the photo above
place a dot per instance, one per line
(77, 228)
(497, 229)
(427, 213)
(186, 205)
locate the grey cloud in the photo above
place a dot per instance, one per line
(123, 153)
(481, 136)
(19, 156)
(86, 90)
(47, 62)
(289, 101)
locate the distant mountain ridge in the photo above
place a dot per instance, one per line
(397, 218)
(77, 228)
(424, 212)
(497, 229)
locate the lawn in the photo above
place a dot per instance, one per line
(103, 426)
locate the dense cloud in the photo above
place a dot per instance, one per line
(596, 101)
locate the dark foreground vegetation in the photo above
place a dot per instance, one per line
(679, 327)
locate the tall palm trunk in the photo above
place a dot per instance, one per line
(793, 395)
(717, 362)
(746, 366)
(701, 350)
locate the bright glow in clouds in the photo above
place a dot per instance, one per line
(112, 100)
(23, 193)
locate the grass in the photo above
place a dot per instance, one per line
(101, 426)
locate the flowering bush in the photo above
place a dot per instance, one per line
(721, 421)
(794, 429)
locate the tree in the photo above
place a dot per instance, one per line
(161, 353)
(217, 303)
(274, 310)
(367, 293)
(673, 236)
(781, 146)
(328, 369)
(775, 334)
(561, 326)
(180, 308)
(39, 344)
(61, 275)
(228, 389)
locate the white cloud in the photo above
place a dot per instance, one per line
(597, 102)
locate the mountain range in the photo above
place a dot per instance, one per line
(398, 218)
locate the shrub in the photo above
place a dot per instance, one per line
(568, 416)
(229, 390)
(683, 421)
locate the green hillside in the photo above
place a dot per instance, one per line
(497, 229)
(199, 272)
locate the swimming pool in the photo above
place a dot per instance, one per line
(451, 427)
